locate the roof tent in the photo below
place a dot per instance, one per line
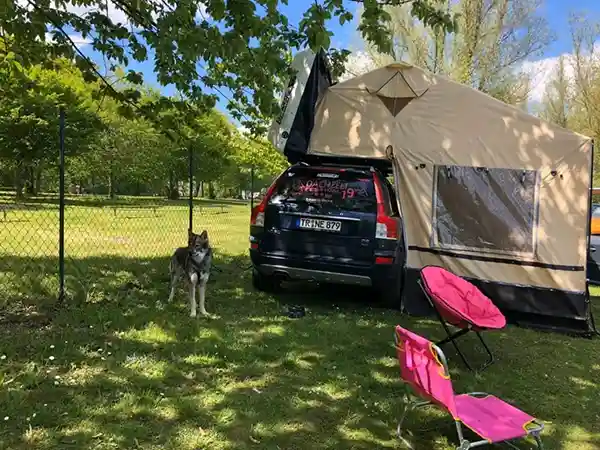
(491, 193)
(310, 77)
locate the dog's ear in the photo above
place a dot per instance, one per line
(190, 237)
(204, 235)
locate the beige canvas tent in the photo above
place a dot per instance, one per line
(486, 190)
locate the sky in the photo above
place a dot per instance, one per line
(556, 12)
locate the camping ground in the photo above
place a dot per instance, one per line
(112, 369)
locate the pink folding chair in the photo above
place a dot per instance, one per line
(423, 367)
(460, 304)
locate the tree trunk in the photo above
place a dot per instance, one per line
(29, 186)
(173, 193)
(37, 187)
(211, 191)
(19, 182)
(202, 189)
(111, 185)
(472, 11)
(197, 189)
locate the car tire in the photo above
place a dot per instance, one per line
(264, 283)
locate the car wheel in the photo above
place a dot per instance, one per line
(264, 283)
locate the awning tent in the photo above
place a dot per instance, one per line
(486, 190)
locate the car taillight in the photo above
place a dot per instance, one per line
(387, 227)
(257, 217)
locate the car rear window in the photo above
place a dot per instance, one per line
(327, 191)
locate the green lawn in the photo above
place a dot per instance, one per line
(114, 370)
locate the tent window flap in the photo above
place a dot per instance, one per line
(485, 209)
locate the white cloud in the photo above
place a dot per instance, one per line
(76, 38)
(242, 129)
(357, 64)
(115, 14)
(109, 8)
(541, 73)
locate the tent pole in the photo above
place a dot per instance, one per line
(589, 241)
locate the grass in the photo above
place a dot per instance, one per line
(114, 370)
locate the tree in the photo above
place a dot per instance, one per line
(29, 117)
(244, 46)
(251, 156)
(495, 37)
(572, 97)
(558, 96)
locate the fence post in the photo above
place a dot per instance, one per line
(61, 206)
(191, 181)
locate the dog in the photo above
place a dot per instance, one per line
(193, 264)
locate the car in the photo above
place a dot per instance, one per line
(593, 266)
(595, 222)
(329, 224)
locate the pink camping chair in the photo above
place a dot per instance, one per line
(459, 303)
(423, 366)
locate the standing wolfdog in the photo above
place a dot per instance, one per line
(193, 263)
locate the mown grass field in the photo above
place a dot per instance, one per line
(112, 369)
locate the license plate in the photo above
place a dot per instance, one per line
(320, 224)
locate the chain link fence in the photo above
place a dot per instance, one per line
(116, 238)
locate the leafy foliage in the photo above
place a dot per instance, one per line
(111, 153)
(200, 48)
(29, 115)
(572, 97)
(495, 37)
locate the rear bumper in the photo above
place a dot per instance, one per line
(323, 276)
(306, 269)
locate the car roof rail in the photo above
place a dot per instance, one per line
(345, 166)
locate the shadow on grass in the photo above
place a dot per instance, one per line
(114, 369)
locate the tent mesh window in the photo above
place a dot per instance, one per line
(485, 209)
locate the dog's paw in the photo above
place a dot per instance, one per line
(193, 314)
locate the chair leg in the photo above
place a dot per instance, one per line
(487, 349)
(456, 335)
(463, 443)
(401, 421)
(538, 441)
(452, 338)
(407, 407)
